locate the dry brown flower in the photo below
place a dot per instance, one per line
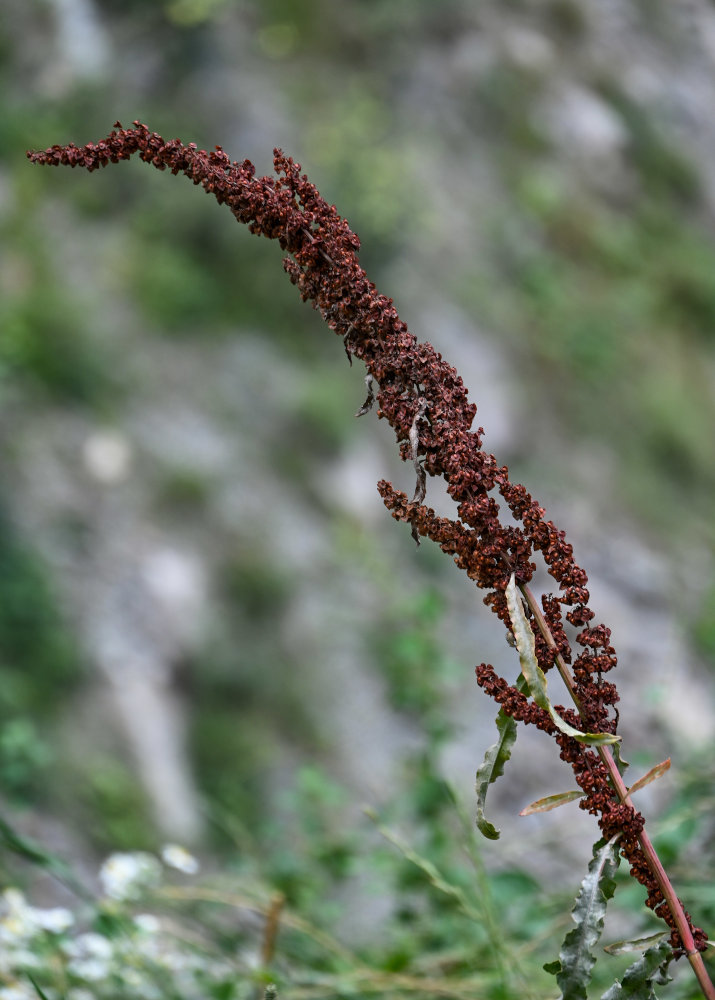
(426, 403)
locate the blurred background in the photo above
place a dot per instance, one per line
(210, 629)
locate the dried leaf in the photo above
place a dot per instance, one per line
(550, 802)
(421, 484)
(370, 399)
(535, 677)
(635, 944)
(652, 775)
(346, 344)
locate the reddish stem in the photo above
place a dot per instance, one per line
(654, 863)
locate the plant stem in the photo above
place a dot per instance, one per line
(654, 863)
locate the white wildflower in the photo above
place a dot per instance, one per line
(16, 924)
(90, 956)
(147, 923)
(126, 876)
(89, 945)
(55, 920)
(179, 858)
(17, 991)
(20, 922)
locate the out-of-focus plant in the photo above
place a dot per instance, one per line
(158, 928)
(425, 401)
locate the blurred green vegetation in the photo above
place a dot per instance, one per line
(453, 920)
(40, 666)
(609, 303)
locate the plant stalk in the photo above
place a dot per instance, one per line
(654, 863)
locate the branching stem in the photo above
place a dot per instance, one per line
(654, 863)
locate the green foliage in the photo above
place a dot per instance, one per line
(40, 668)
(637, 983)
(412, 659)
(492, 768)
(44, 343)
(534, 675)
(616, 309)
(576, 960)
(664, 171)
(34, 641)
(704, 625)
(113, 803)
(24, 756)
(183, 490)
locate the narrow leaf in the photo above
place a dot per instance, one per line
(638, 980)
(621, 762)
(635, 944)
(652, 775)
(550, 802)
(41, 994)
(535, 677)
(576, 958)
(492, 767)
(30, 851)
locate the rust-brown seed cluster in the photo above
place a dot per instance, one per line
(425, 401)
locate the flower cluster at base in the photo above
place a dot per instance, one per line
(425, 401)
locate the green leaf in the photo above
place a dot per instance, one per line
(550, 802)
(621, 762)
(638, 980)
(655, 772)
(534, 675)
(492, 767)
(576, 959)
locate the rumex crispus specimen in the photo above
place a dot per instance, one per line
(426, 403)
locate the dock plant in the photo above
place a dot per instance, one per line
(498, 533)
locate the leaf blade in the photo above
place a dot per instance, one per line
(638, 979)
(635, 944)
(550, 802)
(491, 768)
(534, 675)
(652, 775)
(576, 960)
